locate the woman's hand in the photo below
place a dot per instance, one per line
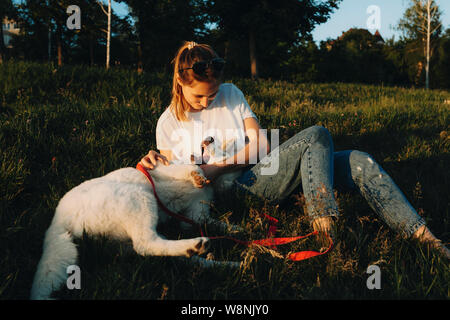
(150, 160)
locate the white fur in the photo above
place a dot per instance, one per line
(122, 205)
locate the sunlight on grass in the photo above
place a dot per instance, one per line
(59, 127)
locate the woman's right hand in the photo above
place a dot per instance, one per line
(150, 160)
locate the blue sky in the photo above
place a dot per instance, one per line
(353, 13)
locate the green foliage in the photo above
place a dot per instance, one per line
(283, 48)
(86, 45)
(162, 26)
(414, 26)
(59, 127)
(359, 56)
(440, 68)
(356, 56)
(277, 27)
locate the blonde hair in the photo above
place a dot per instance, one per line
(189, 53)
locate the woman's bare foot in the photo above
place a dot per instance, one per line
(424, 235)
(325, 224)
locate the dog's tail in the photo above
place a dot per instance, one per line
(59, 252)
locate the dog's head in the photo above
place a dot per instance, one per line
(212, 152)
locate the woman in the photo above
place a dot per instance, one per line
(202, 104)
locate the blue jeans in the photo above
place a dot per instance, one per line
(308, 161)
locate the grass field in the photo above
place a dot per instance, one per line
(59, 127)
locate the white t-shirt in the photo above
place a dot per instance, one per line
(223, 120)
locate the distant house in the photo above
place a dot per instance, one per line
(10, 29)
(379, 38)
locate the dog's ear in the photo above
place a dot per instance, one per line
(207, 141)
(207, 149)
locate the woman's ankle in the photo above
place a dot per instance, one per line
(423, 234)
(325, 224)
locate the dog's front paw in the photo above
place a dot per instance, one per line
(200, 245)
(198, 179)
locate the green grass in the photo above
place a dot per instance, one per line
(59, 127)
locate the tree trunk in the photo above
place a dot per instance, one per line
(253, 59)
(59, 54)
(419, 73)
(2, 43)
(140, 67)
(91, 49)
(227, 48)
(427, 66)
(108, 41)
(59, 44)
(49, 43)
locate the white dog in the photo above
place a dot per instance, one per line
(122, 205)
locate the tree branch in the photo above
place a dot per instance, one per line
(101, 6)
(434, 30)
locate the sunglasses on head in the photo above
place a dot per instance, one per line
(200, 67)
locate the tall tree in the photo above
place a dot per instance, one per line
(35, 22)
(355, 56)
(58, 15)
(44, 32)
(108, 31)
(38, 18)
(163, 25)
(268, 25)
(441, 65)
(92, 30)
(421, 23)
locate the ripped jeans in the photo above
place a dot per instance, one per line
(308, 161)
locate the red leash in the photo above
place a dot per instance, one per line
(270, 241)
(166, 210)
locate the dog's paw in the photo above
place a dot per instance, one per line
(198, 179)
(200, 245)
